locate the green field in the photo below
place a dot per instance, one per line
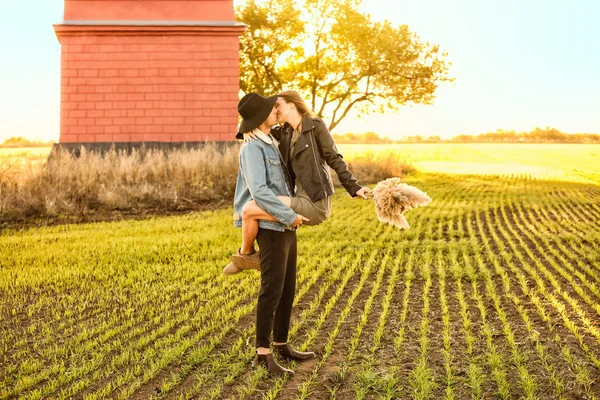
(493, 293)
(565, 162)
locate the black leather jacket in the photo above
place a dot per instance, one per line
(314, 153)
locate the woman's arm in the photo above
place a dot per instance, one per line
(277, 132)
(334, 159)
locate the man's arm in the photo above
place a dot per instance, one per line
(254, 171)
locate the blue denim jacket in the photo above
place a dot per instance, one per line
(261, 178)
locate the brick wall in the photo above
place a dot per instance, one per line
(149, 71)
(149, 10)
(149, 88)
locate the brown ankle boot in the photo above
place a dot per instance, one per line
(287, 351)
(247, 261)
(267, 361)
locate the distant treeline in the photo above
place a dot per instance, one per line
(23, 142)
(538, 135)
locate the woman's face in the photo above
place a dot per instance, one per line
(284, 110)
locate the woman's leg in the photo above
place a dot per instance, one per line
(251, 213)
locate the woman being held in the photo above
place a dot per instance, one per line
(307, 152)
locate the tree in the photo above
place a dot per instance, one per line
(336, 57)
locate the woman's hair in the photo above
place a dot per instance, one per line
(291, 96)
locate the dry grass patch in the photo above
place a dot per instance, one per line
(173, 180)
(141, 182)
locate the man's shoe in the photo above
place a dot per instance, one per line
(267, 361)
(287, 351)
(246, 261)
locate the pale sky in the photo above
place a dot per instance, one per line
(518, 64)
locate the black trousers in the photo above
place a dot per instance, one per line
(278, 253)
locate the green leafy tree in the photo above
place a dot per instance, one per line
(336, 56)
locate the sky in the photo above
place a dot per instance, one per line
(518, 64)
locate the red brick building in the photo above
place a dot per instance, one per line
(146, 71)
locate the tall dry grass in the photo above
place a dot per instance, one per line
(372, 167)
(141, 181)
(172, 180)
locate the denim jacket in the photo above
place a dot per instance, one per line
(261, 178)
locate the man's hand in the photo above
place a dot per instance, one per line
(299, 220)
(364, 192)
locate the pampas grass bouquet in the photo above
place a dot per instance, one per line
(393, 198)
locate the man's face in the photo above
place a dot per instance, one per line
(272, 118)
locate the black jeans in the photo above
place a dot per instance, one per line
(277, 285)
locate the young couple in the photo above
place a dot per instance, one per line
(283, 182)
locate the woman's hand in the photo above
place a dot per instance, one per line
(248, 137)
(364, 192)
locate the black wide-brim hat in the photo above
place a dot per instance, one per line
(255, 110)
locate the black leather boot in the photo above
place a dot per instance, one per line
(267, 361)
(287, 351)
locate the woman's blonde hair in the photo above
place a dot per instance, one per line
(291, 96)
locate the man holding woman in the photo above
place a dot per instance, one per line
(307, 151)
(280, 187)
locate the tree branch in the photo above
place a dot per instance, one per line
(364, 97)
(329, 88)
(317, 48)
(342, 99)
(270, 74)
